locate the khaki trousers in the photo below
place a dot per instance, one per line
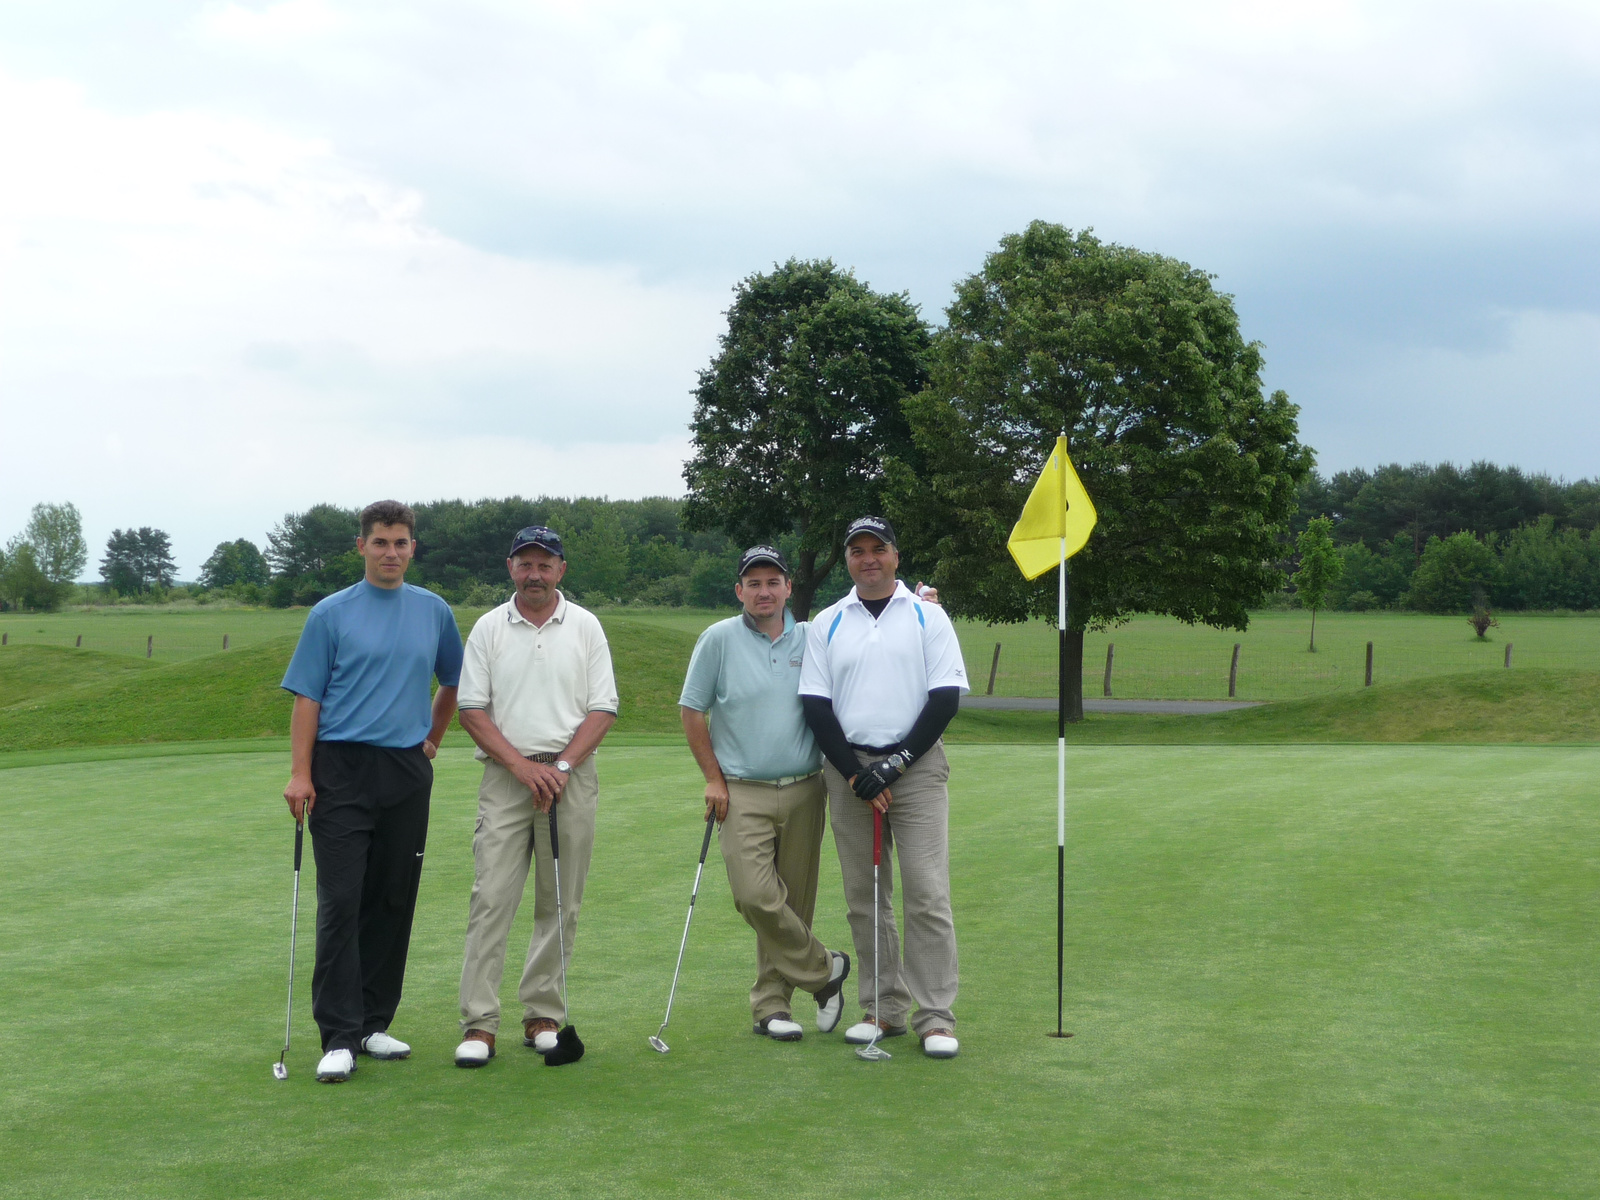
(772, 846)
(916, 829)
(511, 833)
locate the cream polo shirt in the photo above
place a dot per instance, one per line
(537, 684)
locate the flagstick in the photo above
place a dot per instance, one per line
(1061, 789)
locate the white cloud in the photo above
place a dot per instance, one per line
(226, 224)
(196, 306)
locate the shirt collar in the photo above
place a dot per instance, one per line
(514, 614)
(788, 623)
(900, 589)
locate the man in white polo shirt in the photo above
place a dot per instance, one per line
(883, 676)
(741, 715)
(537, 696)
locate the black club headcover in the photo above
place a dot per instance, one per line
(569, 1048)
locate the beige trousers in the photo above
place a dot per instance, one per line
(916, 829)
(772, 846)
(511, 833)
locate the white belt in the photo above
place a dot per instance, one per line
(782, 781)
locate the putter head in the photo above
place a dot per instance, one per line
(658, 1045)
(873, 1052)
(279, 1071)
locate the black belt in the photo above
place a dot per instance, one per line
(541, 758)
(880, 751)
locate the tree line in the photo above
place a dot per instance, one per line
(827, 399)
(1442, 538)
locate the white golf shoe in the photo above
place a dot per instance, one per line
(336, 1066)
(779, 1028)
(940, 1043)
(830, 999)
(382, 1046)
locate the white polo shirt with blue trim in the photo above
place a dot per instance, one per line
(878, 671)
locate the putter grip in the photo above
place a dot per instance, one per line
(299, 841)
(877, 838)
(555, 838)
(705, 842)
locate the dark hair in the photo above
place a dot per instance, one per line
(388, 512)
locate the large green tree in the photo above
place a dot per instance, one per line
(1140, 362)
(795, 416)
(137, 560)
(55, 531)
(239, 561)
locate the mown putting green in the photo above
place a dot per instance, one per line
(1293, 971)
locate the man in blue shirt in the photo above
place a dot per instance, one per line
(362, 735)
(764, 784)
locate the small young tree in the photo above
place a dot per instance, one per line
(1320, 568)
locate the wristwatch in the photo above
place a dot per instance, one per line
(563, 766)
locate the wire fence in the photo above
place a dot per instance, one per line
(1190, 664)
(158, 647)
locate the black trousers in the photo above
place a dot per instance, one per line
(368, 830)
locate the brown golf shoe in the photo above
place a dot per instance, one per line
(539, 1033)
(476, 1048)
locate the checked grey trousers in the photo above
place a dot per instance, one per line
(916, 830)
(510, 834)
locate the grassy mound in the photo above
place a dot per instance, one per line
(55, 698)
(1535, 705)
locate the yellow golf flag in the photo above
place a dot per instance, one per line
(1057, 507)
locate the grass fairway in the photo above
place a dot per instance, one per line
(1293, 971)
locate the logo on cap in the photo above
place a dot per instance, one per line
(757, 555)
(873, 525)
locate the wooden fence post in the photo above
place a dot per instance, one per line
(1110, 649)
(4, 638)
(150, 646)
(1369, 664)
(994, 666)
(80, 641)
(224, 641)
(1233, 673)
(1508, 655)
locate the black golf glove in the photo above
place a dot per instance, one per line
(880, 775)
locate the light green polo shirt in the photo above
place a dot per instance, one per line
(749, 687)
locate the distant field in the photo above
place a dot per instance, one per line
(1156, 657)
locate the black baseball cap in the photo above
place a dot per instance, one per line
(757, 555)
(538, 535)
(873, 525)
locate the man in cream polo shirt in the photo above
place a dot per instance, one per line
(741, 715)
(537, 696)
(883, 676)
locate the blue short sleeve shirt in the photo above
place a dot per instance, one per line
(367, 654)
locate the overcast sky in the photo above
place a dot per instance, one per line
(259, 255)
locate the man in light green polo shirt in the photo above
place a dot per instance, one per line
(742, 717)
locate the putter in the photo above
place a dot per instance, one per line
(280, 1071)
(569, 1048)
(873, 1052)
(656, 1043)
